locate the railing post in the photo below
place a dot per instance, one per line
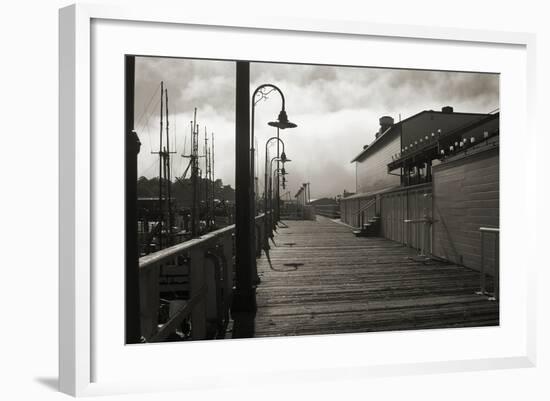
(496, 276)
(266, 228)
(149, 292)
(211, 278)
(482, 267)
(198, 285)
(258, 238)
(496, 272)
(228, 271)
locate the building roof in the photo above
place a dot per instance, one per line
(429, 150)
(395, 129)
(367, 148)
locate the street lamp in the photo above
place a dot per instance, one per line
(269, 191)
(278, 172)
(282, 123)
(282, 158)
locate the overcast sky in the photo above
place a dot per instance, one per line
(336, 109)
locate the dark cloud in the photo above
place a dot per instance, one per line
(336, 108)
(190, 83)
(337, 88)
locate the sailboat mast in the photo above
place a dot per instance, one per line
(194, 173)
(212, 178)
(160, 166)
(206, 172)
(168, 173)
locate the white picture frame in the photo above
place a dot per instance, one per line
(80, 348)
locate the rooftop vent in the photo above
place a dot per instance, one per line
(385, 123)
(447, 109)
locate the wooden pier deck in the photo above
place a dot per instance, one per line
(321, 279)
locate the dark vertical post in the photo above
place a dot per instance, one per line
(244, 298)
(213, 173)
(429, 171)
(482, 267)
(278, 184)
(194, 174)
(206, 177)
(132, 145)
(165, 175)
(496, 288)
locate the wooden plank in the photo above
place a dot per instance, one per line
(322, 279)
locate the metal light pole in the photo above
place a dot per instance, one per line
(267, 174)
(277, 173)
(282, 158)
(282, 123)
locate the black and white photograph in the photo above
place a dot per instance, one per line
(271, 199)
(291, 200)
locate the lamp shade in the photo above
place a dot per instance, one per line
(282, 122)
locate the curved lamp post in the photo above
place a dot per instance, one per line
(279, 172)
(281, 123)
(282, 158)
(269, 205)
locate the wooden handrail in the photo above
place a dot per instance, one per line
(368, 205)
(159, 256)
(489, 229)
(204, 303)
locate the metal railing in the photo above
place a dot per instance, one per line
(209, 265)
(492, 296)
(422, 225)
(330, 211)
(360, 215)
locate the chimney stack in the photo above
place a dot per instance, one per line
(447, 109)
(385, 123)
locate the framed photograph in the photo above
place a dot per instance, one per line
(332, 196)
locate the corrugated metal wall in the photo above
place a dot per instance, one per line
(466, 197)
